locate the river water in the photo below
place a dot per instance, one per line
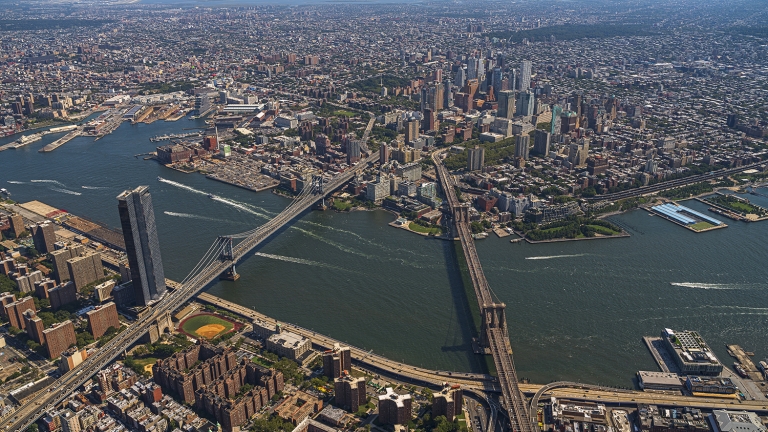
(576, 310)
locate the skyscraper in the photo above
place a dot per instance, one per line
(475, 158)
(525, 104)
(541, 140)
(44, 237)
(525, 75)
(506, 107)
(461, 77)
(556, 112)
(522, 146)
(137, 217)
(496, 79)
(472, 68)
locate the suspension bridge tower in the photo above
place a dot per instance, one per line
(228, 254)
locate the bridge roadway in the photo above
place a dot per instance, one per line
(497, 338)
(671, 184)
(482, 383)
(27, 413)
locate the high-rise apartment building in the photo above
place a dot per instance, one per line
(63, 294)
(350, 392)
(336, 361)
(101, 318)
(34, 326)
(59, 259)
(137, 217)
(354, 151)
(59, 337)
(412, 130)
(475, 158)
(17, 224)
(448, 402)
(15, 310)
(44, 236)
(85, 269)
(394, 409)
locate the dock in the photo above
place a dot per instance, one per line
(743, 357)
(61, 141)
(660, 354)
(501, 233)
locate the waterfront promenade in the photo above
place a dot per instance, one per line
(485, 383)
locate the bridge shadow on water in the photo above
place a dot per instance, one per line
(466, 313)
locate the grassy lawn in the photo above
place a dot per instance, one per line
(341, 205)
(209, 326)
(701, 226)
(261, 361)
(603, 230)
(144, 362)
(420, 229)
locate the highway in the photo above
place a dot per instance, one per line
(220, 258)
(671, 184)
(494, 323)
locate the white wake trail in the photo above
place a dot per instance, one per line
(553, 257)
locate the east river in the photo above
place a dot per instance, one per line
(576, 310)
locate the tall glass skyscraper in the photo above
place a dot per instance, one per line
(137, 218)
(525, 75)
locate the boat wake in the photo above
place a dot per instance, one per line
(181, 186)
(299, 261)
(239, 206)
(16, 182)
(708, 286)
(553, 257)
(191, 216)
(49, 181)
(66, 191)
(94, 187)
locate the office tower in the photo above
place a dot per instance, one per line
(732, 120)
(383, 154)
(85, 269)
(17, 224)
(63, 294)
(137, 218)
(525, 104)
(475, 158)
(394, 409)
(412, 130)
(472, 64)
(525, 75)
(506, 107)
(44, 237)
(16, 309)
(101, 318)
(430, 118)
(34, 326)
(522, 145)
(496, 78)
(541, 140)
(461, 77)
(353, 151)
(480, 69)
(500, 60)
(424, 98)
(350, 392)
(447, 94)
(336, 361)
(555, 125)
(513, 79)
(59, 337)
(448, 402)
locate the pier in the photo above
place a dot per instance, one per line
(175, 136)
(61, 141)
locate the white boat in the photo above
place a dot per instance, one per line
(4, 191)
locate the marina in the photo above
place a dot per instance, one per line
(169, 137)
